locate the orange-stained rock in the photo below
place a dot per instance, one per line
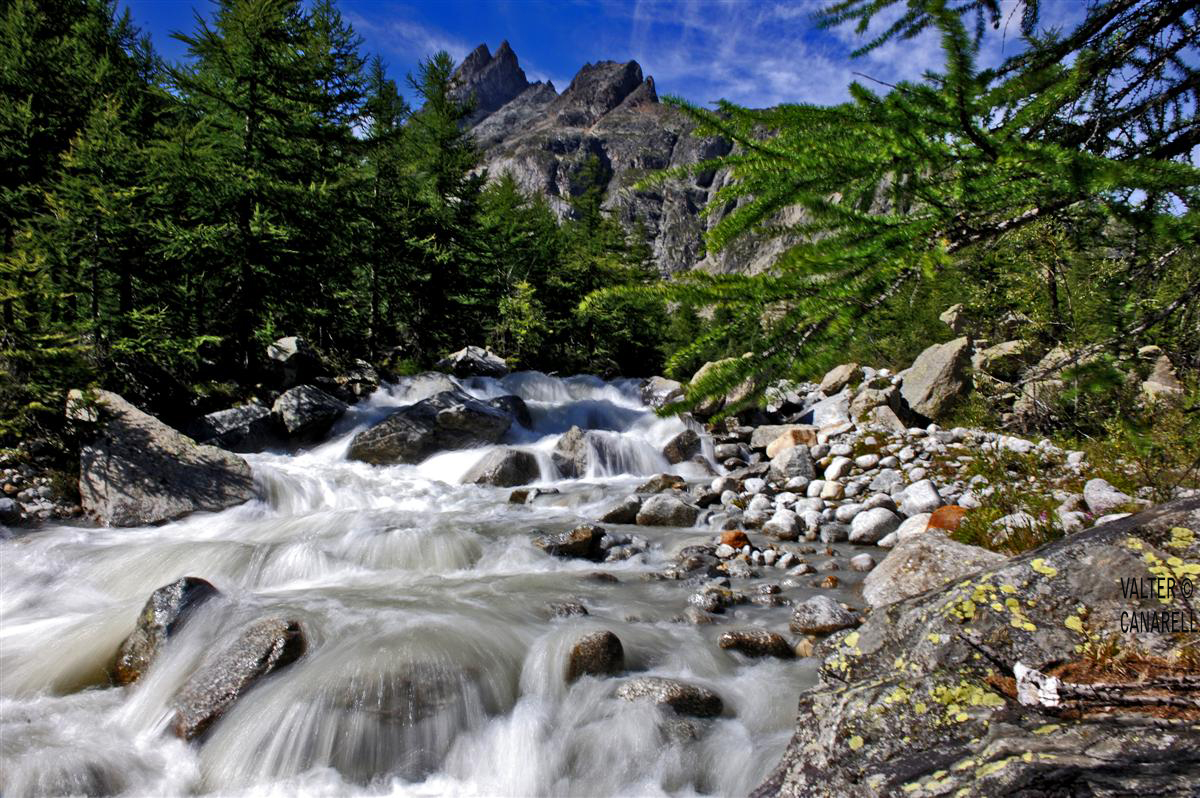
(948, 517)
(735, 537)
(829, 582)
(795, 436)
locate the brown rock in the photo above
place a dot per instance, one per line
(735, 537)
(756, 643)
(800, 435)
(261, 648)
(948, 517)
(595, 654)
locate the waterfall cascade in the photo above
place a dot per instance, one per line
(433, 665)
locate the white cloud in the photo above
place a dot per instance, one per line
(759, 53)
(408, 39)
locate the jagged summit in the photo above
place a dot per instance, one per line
(595, 90)
(609, 112)
(492, 79)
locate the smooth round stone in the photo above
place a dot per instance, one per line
(862, 562)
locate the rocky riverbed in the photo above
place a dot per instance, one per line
(504, 584)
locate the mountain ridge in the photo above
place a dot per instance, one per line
(610, 111)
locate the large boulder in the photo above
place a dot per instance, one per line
(873, 525)
(307, 413)
(246, 428)
(294, 361)
(163, 616)
(473, 361)
(595, 654)
(821, 615)
(937, 378)
(921, 562)
(1102, 498)
(840, 377)
(710, 406)
(664, 509)
(445, 421)
(920, 700)
(659, 391)
(682, 447)
(135, 470)
(828, 412)
(515, 406)
(358, 381)
(504, 468)
(261, 648)
(1004, 360)
(683, 698)
(1162, 384)
(793, 462)
(572, 453)
(764, 436)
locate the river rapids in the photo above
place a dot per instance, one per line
(433, 665)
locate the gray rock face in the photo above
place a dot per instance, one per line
(685, 699)
(10, 511)
(920, 497)
(505, 468)
(937, 378)
(659, 391)
(839, 377)
(923, 562)
(595, 654)
(834, 410)
(261, 648)
(1004, 360)
(610, 112)
(307, 412)
(793, 462)
(572, 453)
(136, 470)
(623, 512)
(1102, 498)
(663, 509)
(682, 447)
(163, 616)
(515, 407)
(756, 643)
(872, 526)
(880, 716)
(448, 420)
(821, 615)
(1162, 384)
(248, 428)
(582, 542)
(489, 81)
(294, 361)
(473, 361)
(425, 385)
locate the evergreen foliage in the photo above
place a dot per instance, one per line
(163, 223)
(882, 196)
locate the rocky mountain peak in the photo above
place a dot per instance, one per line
(492, 79)
(595, 90)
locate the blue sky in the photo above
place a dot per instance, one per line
(754, 52)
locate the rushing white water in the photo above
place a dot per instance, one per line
(433, 665)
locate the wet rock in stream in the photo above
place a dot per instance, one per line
(683, 698)
(582, 542)
(595, 654)
(162, 617)
(261, 648)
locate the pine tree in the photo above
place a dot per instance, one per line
(895, 188)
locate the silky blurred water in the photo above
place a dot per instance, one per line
(433, 667)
